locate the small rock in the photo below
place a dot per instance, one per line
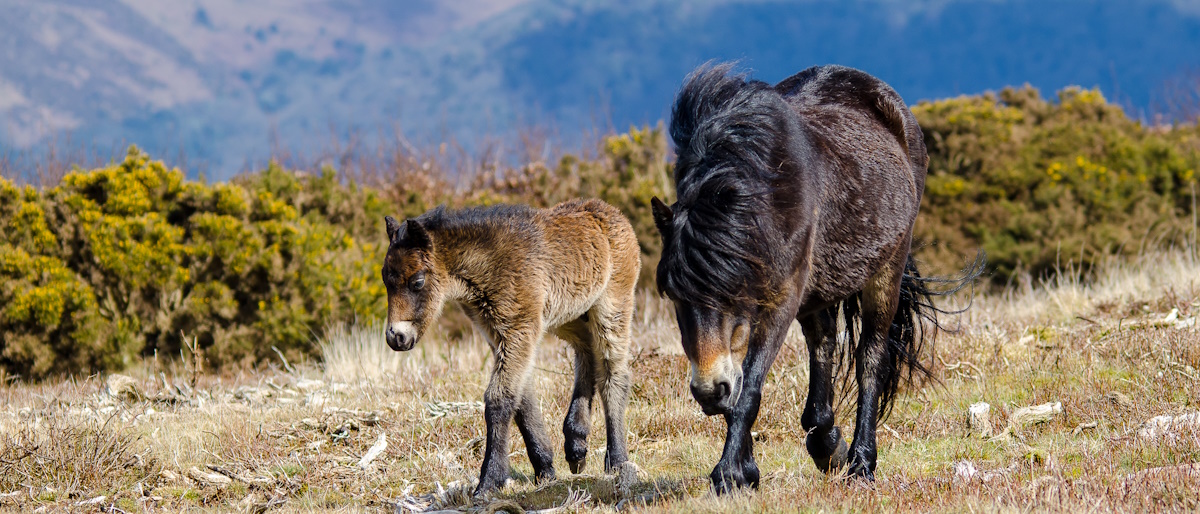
(1119, 398)
(628, 474)
(376, 449)
(123, 387)
(964, 470)
(94, 501)
(208, 479)
(1026, 416)
(1169, 426)
(980, 421)
(308, 385)
(1174, 315)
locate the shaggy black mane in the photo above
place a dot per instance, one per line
(725, 129)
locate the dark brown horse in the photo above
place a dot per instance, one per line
(794, 201)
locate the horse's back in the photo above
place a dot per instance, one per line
(838, 94)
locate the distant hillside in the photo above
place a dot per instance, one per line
(216, 78)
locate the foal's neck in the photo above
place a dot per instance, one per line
(467, 262)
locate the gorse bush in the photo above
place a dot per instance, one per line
(1038, 184)
(122, 262)
(128, 260)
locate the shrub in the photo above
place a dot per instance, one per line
(129, 259)
(1038, 184)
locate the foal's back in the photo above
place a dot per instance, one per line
(590, 251)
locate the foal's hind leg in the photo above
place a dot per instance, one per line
(871, 357)
(579, 413)
(824, 439)
(612, 325)
(533, 431)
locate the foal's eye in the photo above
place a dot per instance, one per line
(418, 281)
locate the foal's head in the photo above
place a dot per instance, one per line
(415, 281)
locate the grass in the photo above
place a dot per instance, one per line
(290, 439)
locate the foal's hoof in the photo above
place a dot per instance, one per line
(836, 461)
(577, 465)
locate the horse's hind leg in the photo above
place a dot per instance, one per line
(872, 361)
(579, 413)
(533, 431)
(824, 439)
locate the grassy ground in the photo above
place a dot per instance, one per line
(1114, 353)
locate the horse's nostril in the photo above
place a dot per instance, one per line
(723, 389)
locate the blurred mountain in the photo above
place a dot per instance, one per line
(226, 81)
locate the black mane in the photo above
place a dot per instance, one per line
(725, 129)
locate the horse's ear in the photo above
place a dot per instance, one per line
(663, 217)
(393, 227)
(416, 236)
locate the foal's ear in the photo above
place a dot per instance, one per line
(393, 227)
(416, 236)
(663, 217)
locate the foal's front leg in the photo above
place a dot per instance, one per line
(533, 431)
(513, 362)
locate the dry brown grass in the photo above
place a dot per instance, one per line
(292, 441)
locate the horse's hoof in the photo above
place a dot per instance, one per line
(833, 463)
(577, 465)
(727, 481)
(860, 472)
(545, 477)
(614, 467)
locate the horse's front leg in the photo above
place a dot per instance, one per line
(737, 467)
(513, 354)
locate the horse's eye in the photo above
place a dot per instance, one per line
(418, 281)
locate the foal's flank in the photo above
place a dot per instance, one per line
(520, 272)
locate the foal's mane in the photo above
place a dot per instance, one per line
(728, 133)
(491, 227)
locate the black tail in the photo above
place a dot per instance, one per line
(914, 325)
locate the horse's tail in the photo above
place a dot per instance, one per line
(914, 325)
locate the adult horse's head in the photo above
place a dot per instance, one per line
(720, 238)
(415, 281)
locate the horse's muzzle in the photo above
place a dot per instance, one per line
(720, 398)
(401, 336)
